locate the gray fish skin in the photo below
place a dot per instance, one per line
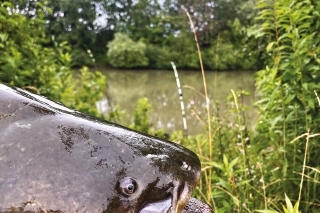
(53, 159)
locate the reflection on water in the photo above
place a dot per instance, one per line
(124, 88)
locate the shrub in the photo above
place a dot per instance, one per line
(288, 104)
(123, 52)
(141, 116)
(232, 50)
(27, 62)
(160, 57)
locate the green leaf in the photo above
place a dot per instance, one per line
(289, 204)
(262, 5)
(270, 45)
(285, 210)
(311, 103)
(296, 207)
(225, 161)
(234, 162)
(305, 86)
(214, 164)
(274, 72)
(289, 98)
(275, 121)
(3, 37)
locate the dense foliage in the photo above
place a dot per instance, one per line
(125, 53)
(90, 25)
(27, 62)
(288, 104)
(262, 169)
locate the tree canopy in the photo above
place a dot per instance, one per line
(161, 25)
(39, 63)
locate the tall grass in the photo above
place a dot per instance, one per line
(207, 173)
(248, 170)
(241, 175)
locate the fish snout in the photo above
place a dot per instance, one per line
(181, 192)
(188, 175)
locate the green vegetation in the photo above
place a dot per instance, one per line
(256, 168)
(125, 53)
(161, 27)
(260, 169)
(244, 170)
(288, 104)
(26, 61)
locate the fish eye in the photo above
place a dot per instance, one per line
(127, 186)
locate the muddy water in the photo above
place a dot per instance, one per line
(124, 88)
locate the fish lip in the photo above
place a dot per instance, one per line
(162, 206)
(178, 196)
(182, 192)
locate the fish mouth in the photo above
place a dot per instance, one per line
(178, 197)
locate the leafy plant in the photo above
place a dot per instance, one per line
(160, 57)
(289, 208)
(125, 53)
(27, 62)
(141, 120)
(232, 50)
(84, 90)
(287, 104)
(141, 116)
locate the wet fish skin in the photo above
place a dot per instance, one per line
(54, 159)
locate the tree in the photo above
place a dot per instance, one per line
(74, 22)
(221, 28)
(88, 26)
(126, 53)
(26, 61)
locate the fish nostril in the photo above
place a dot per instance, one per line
(185, 166)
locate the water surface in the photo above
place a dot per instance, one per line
(126, 87)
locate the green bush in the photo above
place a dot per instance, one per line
(123, 52)
(141, 116)
(288, 105)
(141, 119)
(232, 50)
(184, 51)
(82, 58)
(84, 90)
(26, 62)
(160, 57)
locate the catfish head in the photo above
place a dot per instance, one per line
(160, 178)
(54, 159)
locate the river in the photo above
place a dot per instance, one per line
(125, 87)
